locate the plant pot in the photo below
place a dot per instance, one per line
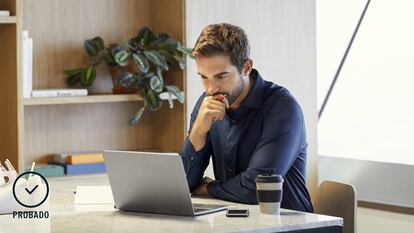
(115, 70)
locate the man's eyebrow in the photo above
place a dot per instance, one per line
(221, 73)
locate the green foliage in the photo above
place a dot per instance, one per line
(141, 61)
(153, 53)
(175, 91)
(136, 117)
(122, 58)
(88, 76)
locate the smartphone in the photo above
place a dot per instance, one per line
(237, 213)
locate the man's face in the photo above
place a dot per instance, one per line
(219, 76)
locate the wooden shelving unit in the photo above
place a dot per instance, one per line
(31, 129)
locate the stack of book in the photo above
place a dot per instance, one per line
(80, 163)
(27, 74)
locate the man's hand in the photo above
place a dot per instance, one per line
(201, 190)
(213, 108)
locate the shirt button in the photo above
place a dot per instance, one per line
(192, 157)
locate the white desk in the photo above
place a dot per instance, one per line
(66, 217)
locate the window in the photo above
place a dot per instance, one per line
(370, 113)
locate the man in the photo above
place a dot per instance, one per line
(248, 125)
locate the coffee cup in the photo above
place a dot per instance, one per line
(269, 193)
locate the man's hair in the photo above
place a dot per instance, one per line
(223, 39)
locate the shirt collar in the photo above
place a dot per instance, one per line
(255, 96)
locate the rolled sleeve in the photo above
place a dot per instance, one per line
(232, 190)
(195, 162)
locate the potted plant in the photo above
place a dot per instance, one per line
(136, 66)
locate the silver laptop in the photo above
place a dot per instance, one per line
(152, 183)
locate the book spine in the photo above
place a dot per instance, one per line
(49, 170)
(90, 168)
(85, 158)
(72, 92)
(58, 93)
(29, 63)
(25, 54)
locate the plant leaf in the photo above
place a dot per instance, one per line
(145, 36)
(72, 80)
(164, 41)
(147, 75)
(136, 117)
(99, 43)
(170, 100)
(156, 43)
(141, 34)
(90, 48)
(122, 58)
(141, 61)
(180, 60)
(133, 43)
(115, 48)
(156, 58)
(156, 83)
(168, 55)
(71, 72)
(163, 35)
(185, 50)
(126, 79)
(153, 100)
(169, 44)
(175, 91)
(88, 76)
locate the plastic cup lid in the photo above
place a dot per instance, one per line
(269, 178)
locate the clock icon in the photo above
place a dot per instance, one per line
(30, 196)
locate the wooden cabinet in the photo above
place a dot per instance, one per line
(31, 129)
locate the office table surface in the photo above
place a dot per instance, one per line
(67, 217)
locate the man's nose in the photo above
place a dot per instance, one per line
(212, 89)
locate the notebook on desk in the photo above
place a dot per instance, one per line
(152, 183)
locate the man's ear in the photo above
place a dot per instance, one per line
(247, 67)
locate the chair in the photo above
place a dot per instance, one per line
(337, 199)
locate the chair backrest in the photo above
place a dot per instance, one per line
(338, 199)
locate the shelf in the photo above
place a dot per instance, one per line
(82, 99)
(8, 19)
(104, 98)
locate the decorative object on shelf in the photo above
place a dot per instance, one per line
(4, 13)
(27, 64)
(136, 66)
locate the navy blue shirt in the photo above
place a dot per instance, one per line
(265, 134)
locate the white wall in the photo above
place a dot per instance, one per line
(283, 48)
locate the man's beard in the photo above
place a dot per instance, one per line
(232, 96)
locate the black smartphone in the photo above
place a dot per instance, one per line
(237, 213)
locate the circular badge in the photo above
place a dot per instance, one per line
(31, 197)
